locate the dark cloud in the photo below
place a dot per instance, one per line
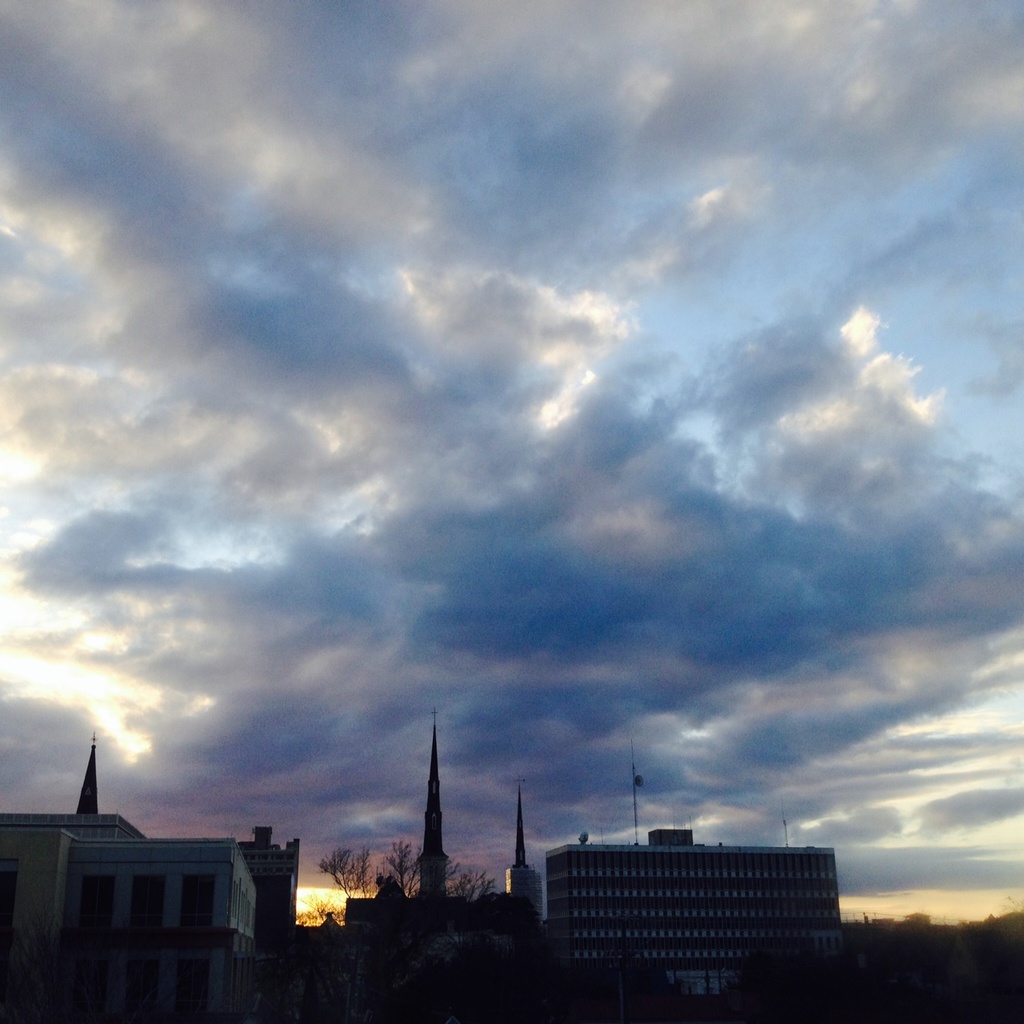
(1007, 342)
(774, 372)
(865, 826)
(872, 872)
(92, 553)
(973, 808)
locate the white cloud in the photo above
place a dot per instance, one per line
(860, 332)
(727, 203)
(530, 330)
(882, 398)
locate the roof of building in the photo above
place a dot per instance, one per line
(694, 849)
(81, 826)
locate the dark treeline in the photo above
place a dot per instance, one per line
(896, 972)
(498, 970)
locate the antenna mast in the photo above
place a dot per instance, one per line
(785, 827)
(638, 780)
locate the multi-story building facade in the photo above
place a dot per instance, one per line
(160, 924)
(127, 925)
(99, 919)
(695, 911)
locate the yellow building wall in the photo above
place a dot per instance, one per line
(42, 857)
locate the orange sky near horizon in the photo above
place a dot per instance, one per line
(942, 906)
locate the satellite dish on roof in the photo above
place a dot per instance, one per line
(584, 837)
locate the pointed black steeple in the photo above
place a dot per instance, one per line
(521, 879)
(520, 841)
(87, 802)
(433, 859)
(432, 846)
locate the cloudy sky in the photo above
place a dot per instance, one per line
(593, 373)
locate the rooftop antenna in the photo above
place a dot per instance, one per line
(785, 827)
(638, 781)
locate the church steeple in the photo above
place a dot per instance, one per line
(433, 859)
(520, 841)
(521, 879)
(87, 802)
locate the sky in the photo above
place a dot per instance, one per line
(605, 377)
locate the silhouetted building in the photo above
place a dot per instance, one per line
(275, 870)
(129, 924)
(695, 912)
(97, 919)
(521, 879)
(433, 860)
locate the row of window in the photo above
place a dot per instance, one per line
(723, 926)
(669, 933)
(649, 907)
(242, 908)
(690, 872)
(142, 986)
(588, 906)
(699, 947)
(674, 883)
(717, 863)
(674, 924)
(96, 909)
(701, 896)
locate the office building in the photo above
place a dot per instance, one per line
(695, 911)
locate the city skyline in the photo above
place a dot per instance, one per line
(594, 375)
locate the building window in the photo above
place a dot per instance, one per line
(147, 901)
(193, 986)
(142, 985)
(90, 992)
(97, 907)
(197, 901)
(8, 885)
(3, 981)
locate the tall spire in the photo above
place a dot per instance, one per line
(433, 859)
(521, 879)
(520, 841)
(87, 803)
